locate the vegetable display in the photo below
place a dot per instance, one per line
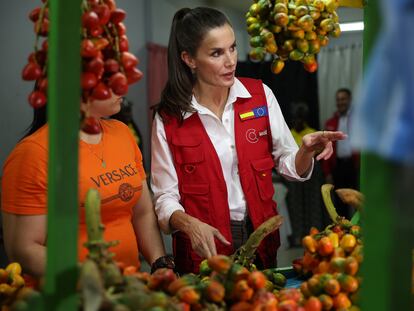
(291, 30)
(107, 64)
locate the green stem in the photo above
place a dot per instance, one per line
(117, 51)
(245, 254)
(38, 25)
(93, 216)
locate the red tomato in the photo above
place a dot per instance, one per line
(42, 28)
(101, 91)
(123, 44)
(96, 66)
(103, 12)
(34, 14)
(111, 65)
(111, 4)
(39, 58)
(118, 83)
(88, 49)
(31, 71)
(45, 45)
(37, 99)
(121, 28)
(88, 80)
(96, 31)
(91, 125)
(128, 60)
(42, 84)
(90, 20)
(133, 75)
(117, 16)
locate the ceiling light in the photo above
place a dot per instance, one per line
(356, 26)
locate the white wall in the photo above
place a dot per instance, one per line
(146, 21)
(17, 37)
(164, 10)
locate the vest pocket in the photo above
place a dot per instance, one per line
(188, 149)
(263, 175)
(195, 199)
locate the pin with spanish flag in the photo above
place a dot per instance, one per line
(254, 113)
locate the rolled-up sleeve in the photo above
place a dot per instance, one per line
(284, 146)
(164, 180)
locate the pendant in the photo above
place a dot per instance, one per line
(103, 164)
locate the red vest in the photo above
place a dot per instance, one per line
(201, 183)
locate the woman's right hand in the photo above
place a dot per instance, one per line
(202, 238)
(201, 234)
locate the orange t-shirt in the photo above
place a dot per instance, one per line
(119, 182)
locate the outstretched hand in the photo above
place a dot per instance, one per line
(321, 143)
(202, 239)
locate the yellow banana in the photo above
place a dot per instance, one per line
(326, 196)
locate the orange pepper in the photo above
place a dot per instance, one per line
(309, 243)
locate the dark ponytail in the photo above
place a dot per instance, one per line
(39, 119)
(188, 30)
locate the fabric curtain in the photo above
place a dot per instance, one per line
(293, 84)
(157, 75)
(339, 66)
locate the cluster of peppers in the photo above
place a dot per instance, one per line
(291, 30)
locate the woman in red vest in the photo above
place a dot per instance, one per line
(215, 141)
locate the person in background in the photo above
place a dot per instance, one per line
(300, 127)
(110, 162)
(215, 141)
(304, 200)
(342, 169)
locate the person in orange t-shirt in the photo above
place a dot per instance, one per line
(109, 162)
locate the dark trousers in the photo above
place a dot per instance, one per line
(240, 231)
(345, 175)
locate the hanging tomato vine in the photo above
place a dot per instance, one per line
(107, 64)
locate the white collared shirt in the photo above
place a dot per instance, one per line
(343, 147)
(164, 179)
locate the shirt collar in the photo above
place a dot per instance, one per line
(237, 90)
(346, 115)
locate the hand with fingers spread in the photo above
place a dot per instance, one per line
(201, 234)
(202, 238)
(317, 143)
(320, 143)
